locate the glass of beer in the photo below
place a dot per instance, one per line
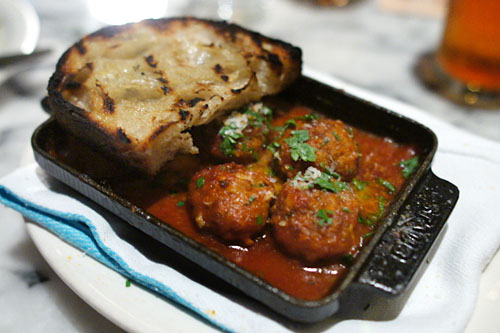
(466, 66)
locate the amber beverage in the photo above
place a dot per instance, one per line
(470, 49)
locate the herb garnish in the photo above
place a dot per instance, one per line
(325, 142)
(323, 217)
(323, 180)
(346, 209)
(255, 119)
(375, 216)
(252, 198)
(290, 123)
(330, 172)
(386, 184)
(299, 149)
(360, 185)
(200, 182)
(229, 135)
(347, 259)
(337, 137)
(259, 220)
(308, 117)
(365, 221)
(368, 234)
(180, 204)
(409, 166)
(128, 283)
(381, 205)
(281, 129)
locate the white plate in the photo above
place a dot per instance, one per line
(19, 27)
(134, 309)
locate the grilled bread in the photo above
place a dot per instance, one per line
(134, 91)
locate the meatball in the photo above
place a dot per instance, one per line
(231, 201)
(246, 149)
(314, 224)
(243, 136)
(323, 143)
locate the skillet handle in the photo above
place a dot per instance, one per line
(403, 247)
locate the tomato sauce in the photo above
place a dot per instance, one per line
(165, 197)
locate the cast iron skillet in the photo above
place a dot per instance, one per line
(406, 233)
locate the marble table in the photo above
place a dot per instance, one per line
(360, 44)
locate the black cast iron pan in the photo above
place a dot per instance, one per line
(386, 265)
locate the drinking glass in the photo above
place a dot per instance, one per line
(466, 66)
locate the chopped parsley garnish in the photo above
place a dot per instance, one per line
(337, 137)
(308, 117)
(180, 204)
(360, 185)
(323, 218)
(200, 182)
(290, 123)
(409, 166)
(368, 234)
(273, 147)
(252, 198)
(381, 204)
(128, 283)
(259, 220)
(347, 259)
(330, 172)
(326, 184)
(346, 209)
(365, 221)
(281, 129)
(386, 184)
(313, 176)
(255, 119)
(230, 136)
(324, 142)
(299, 149)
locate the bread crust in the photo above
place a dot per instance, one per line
(134, 91)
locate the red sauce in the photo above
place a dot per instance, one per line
(380, 160)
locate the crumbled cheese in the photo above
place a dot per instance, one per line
(306, 180)
(259, 108)
(236, 122)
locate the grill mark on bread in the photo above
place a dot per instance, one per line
(275, 62)
(195, 101)
(122, 136)
(81, 48)
(111, 31)
(70, 84)
(163, 80)
(184, 114)
(150, 60)
(159, 130)
(165, 90)
(109, 103)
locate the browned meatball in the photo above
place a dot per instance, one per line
(231, 201)
(243, 135)
(315, 225)
(247, 149)
(323, 143)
